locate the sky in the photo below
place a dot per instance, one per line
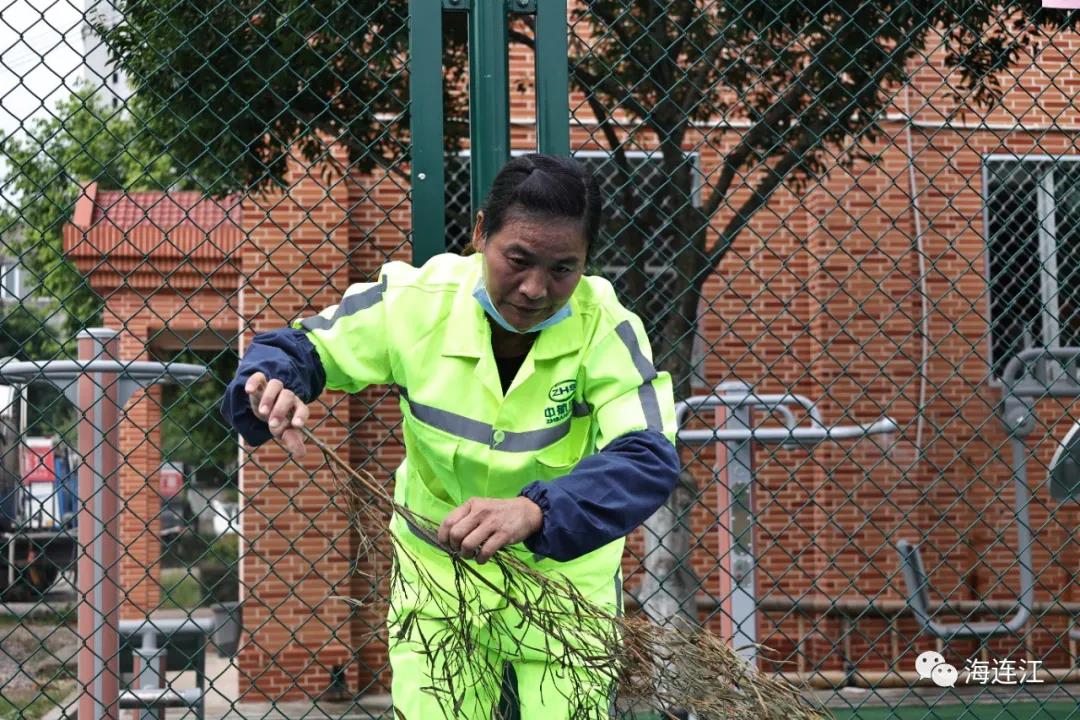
(41, 56)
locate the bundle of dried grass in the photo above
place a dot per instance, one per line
(651, 666)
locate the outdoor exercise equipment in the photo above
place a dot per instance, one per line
(162, 645)
(98, 384)
(1064, 473)
(1064, 468)
(1031, 375)
(734, 432)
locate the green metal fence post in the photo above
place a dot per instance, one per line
(426, 116)
(552, 79)
(489, 95)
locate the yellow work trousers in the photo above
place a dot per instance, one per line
(503, 668)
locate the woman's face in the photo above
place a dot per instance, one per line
(531, 266)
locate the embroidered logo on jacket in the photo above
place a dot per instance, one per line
(562, 394)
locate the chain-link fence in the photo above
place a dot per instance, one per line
(847, 226)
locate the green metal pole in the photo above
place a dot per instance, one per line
(489, 95)
(426, 118)
(552, 78)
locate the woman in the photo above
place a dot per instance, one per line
(533, 420)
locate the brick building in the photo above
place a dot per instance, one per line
(847, 291)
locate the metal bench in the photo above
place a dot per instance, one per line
(183, 642)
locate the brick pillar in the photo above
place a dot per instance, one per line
(140, 459)
(378, 222)
(173, 273)
(140, 441)
(299, 545)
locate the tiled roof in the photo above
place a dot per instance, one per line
(166, 211)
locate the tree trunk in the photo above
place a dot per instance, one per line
(668, 590)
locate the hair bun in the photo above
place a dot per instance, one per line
(567, 190)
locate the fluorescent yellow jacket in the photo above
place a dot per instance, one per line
(586, 381)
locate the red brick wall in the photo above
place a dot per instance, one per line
(819, 295)
(154, 308)
(298, 543)
(850, 335)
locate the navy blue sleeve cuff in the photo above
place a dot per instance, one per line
(286, 355)
(605, 497)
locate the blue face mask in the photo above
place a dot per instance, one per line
(482, 297)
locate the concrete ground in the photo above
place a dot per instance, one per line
(929, 697)
(222, 687)
(222, 677)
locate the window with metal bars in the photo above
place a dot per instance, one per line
(648, 179)
(1032, 221)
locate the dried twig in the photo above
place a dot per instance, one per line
(661, 667)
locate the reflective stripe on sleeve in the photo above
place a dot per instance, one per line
(650, 406)
(349, 305)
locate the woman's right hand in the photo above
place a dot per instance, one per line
(280, 408)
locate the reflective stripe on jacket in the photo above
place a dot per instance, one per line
(586, 382)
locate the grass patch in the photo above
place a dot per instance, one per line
(67, 616)
(987, 711)
(180, 589)
(33, 704)
(981, 711)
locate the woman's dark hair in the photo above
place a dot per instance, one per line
(548, 186)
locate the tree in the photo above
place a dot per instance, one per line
(27, 332)
(811, 80)
(236, 88)
(82, 141)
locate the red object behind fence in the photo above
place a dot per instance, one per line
(38, 461)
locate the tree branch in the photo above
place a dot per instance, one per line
(613, 22)
(774, 177)
(660, 63)
(696, 77)
(783, 108)
(607, 126)
(682, 23)
(591, 84)
(787, 104)
(523, 39)
(636, 281)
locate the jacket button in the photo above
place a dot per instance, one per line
(497, 437)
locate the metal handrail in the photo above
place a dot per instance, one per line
(60, 370)
(799, 436)
(789, 433)
(1020, 388)
(64, 374)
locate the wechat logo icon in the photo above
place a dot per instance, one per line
(931, 665)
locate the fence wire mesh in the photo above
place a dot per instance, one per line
(849, 226)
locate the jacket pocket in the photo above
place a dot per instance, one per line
(561, 457)
(432, 459)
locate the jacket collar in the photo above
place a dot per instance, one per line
(469, 333)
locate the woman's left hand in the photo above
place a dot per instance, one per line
(481, 526)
